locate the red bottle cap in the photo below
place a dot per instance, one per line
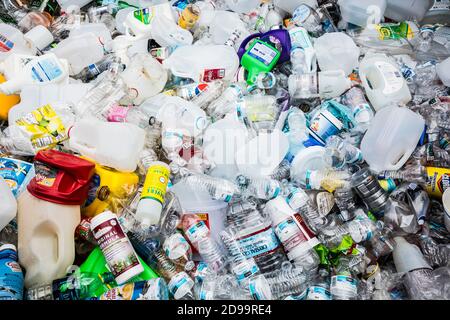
(61, 177)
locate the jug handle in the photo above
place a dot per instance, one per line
(402, 159)
(81, 147)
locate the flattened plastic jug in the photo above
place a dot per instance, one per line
(391, 138)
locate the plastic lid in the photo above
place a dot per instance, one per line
(408, 257)
(61, 178)
(8, 247)
(40, 36)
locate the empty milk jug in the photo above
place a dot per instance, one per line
(111, 144)
(383, 81)
(391, 138)
(49, 212)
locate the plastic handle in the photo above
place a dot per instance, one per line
(400, 161)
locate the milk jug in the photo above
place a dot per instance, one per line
(48, 213)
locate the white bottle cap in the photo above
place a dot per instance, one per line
(279, 210)
(408, 257)
(39, 36)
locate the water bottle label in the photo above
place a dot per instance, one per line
(263, 52)
(301, 14)
(11, 276)
(197, 232)
(343, 286)
(155, 185)
(301, 296)
(324, 125)
(206, 295)
(176, 247)
(245, 269)
(46, 70)
(5, 44)
(291, 236)
(393, 79)
(180, 282)
(300, 38)
(318, 293)
(259, 243)
(15, 173)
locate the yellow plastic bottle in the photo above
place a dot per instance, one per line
(438, 181)
(109, 190)
(7, 102)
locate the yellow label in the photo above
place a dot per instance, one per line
(44, 127)
(438, 180)
(155, 184)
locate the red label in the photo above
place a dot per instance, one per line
(213, 74)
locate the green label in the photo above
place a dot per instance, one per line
(394, 31)
(144, 15)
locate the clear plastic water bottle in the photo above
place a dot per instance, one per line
(287, 281)
(344, 286)
(219, 189)
(260, 188)
(339, 152)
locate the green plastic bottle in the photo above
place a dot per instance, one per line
(96, 263)
(259, 57)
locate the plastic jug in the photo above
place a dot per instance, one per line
(203, 63)
(21, 70)
(407, 9)
(111, 144)
(7, 102)
(48, 213)
(169, 34)
(8, 205)
(391, 138)
(33, 96)
(145, 76)
(98, 29)
(290, 5)
(224, 24)
(242, 6)
(336, 50)
(260, 57)
(80, 51)
(383, 81)
(443, 72)
(362, 12)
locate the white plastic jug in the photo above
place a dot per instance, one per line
(362, 12)
(113, 144)
(391, 138)
(203, 63)
(243, 6)
(8, 204)
(46, 238)
(33, 96)
(80, 51)
(290, 5)
(443, 71)
(145, 76)
(224, 24)
(98, 29)
(169, 34)
(336, 50)
(407, 9)
(383, 81)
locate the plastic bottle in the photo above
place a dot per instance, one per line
(383, 82)
(291, 5)
(443, 75)
(362, 111)
(219, 189)
(320, 288)
(153, 289)
(223, 287)
(343, 283)
(77, 286)
(370, 191)
(150, 204)
(256, 237)
(40, 70)
(287, 281)
(116, 247)
(48, 213)
(108, 143)
(340, 152)
(344, 199)
(260, 188)
(8, 205)
(298, 249)
(11, 276)
(259, 57)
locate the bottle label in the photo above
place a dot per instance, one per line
(394, 31)
(46, 70)
(325, 203)
(212, 74)
(259, 243)
(393, 79)
(11, 276)
(45, 174)
(180, 283)
(245, 269)
(300, 38)
(145, 15)
(16, 173)
(83, 230)
(312, 239)
(189, 92)
(197, 232)
(301, 14)
(343, 286)
(129, 291)
(44, 128)
(438, 181)
(116, 247)
(291, 236)
(318, 293)
(263, 52)
(258, 289)
(5, 44)
(155, 185)
(301, 296)
(177, 247)
(324, 125)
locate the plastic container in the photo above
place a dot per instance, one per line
(203, 63)
(336, 50)
(261, 57)
(407, 9)
(169, 34)
(48, 213)
(442, 70)
(408, 257)
(362, 12)
(290, 5)
(40, 70)
(391, 138)
(311, 158)
(16, 173)
(446, 204)
(7, 102)
(242, 6)
(8, 204)
(11, 275)
(115, 245)
(34, 95)
(67, 3)
(224, 24)
(113, 144)
(383, 81)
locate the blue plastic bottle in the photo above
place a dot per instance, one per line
(11, 275)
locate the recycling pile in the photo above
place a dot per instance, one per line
(224, 150)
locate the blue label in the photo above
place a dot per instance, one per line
(46, 70)
(11, 276)
(16, 173)
(322, 127)
(260, 243)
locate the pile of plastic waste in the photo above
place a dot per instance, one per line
(224, 149)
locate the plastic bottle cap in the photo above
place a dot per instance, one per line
(407, 257)
(8, 246)
(40, 36)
